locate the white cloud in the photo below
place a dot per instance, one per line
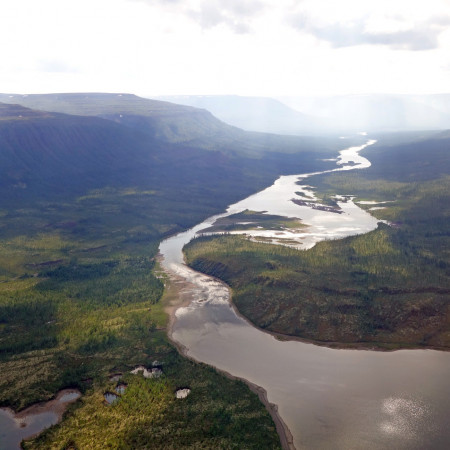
(421, 36)
(224, 47)
(54, 66)
(235, 14)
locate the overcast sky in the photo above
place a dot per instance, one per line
(245, 47)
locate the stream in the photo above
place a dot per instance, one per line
(328, 398)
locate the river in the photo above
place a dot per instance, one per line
(328, 398)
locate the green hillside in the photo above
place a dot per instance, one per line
(169, 122)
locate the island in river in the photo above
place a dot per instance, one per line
(386, 289)
(328, 398)
(320, 296)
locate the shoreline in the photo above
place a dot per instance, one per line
(172, 301)
(54, 405)
(22, 419)
(334, 345)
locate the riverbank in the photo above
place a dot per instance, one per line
(362, 346)
(330, 295)
(178, 294)
(328, 398)
(30, 422)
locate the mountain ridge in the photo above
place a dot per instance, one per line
(163, 120)
(259, 114)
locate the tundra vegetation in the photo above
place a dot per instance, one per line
(79, 302)
(389, 288)
(84, 204)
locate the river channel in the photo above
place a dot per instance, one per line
(328, 398)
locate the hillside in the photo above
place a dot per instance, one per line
(161, 120)
(84, 202)
(172, 123)
(255, 113)
(49, 156)
(44, 152)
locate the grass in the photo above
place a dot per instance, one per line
(219, 413)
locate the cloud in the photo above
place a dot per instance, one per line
(422, 36)
(54, 66)
(158, 2)
(235, 14)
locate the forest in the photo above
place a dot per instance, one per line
(85, 203)
(386, 289)
(79, 303)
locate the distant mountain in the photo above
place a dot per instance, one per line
(254, 113)
(162, 120)
(378, 112)
(173, 123)
(52, 153)
(48, 155)
(398, 158)
(18, 112)
(168, 122)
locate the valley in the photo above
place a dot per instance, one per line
(85, 202)
(388, 288)
(87, 199)
(224, 225)
(274, 286)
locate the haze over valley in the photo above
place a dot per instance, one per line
(225, 224)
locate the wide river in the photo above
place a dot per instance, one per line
(329, 399)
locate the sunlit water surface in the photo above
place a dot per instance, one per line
(329, 399)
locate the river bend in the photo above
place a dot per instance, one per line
(329, 399)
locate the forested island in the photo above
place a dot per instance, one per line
(387, 289)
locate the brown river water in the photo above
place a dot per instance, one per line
(31, 421)
(328, 398)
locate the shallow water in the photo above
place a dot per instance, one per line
(110, 398)
(329, 399)
(31, 421)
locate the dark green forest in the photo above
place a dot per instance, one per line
(84, 204)
(87, 192)
(389, 288)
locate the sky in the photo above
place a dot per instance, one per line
(212, 47)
